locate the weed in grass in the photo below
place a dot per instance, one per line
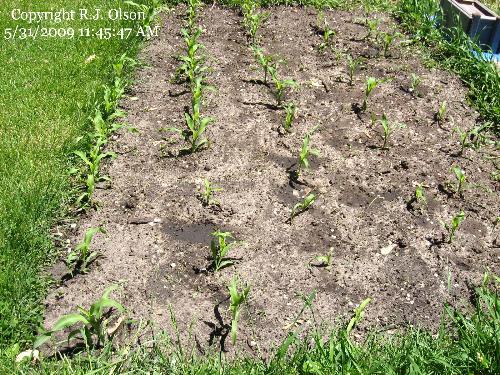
(352, 67)
(291, 112)
(415, 83)
(302, 206)
(94, 323)
(371, 83)
(306, 151)
(389, 129)
(453, 225)
(220, 249)
(238, 296)
(80, 258)
(150, 10)
(206, 195)
(441, 114)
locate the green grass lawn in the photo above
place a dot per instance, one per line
(47, 90)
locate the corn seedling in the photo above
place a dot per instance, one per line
(387, 40)
(441, 113)
(371, 83)
(206, 195)
(325, 260)
(92, 177)
(291, 111)
(420, 194)
(220, 249)
(358, 315)
(388, 129)
(238, 296)
(192, 11)
(461, 179)
(306, 151)
(302, 206)
(280, 85)
(112, 95)
(253, 20)
(452, 227)
(415, 84)
(326, 31)
(372, 28)
(352, 67)
(195, 122)
(192, 63)
(266, 62)
(93, 322)
(79, 259)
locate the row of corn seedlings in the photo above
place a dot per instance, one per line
(92, 325)
(194, 71)
(253, 18)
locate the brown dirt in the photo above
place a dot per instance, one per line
(363, 191)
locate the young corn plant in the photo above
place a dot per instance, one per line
(325, 260)
(266, 62)
(253, 20)
(302, 206)
(473, 138)
(415, 83)
(453, 225)
(420, 195)
(326, 31)
(238, 296)
(192, 12)
(206, 195)
(371, 83)
(372, 29)
(461, 180)
(441, 114)
(91, 325)
(352, 67)
(291, 112)
(280, 85)
(196, 124)
(386, 40)
(91, 174)
(220, 248)
(389, 129)
(112, 96)
(192, 63)
(306, 151)
(82, 256)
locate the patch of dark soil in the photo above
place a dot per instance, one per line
(381, 248)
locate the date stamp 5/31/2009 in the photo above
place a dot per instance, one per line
(37, 22)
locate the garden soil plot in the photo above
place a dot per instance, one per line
(158, 232)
